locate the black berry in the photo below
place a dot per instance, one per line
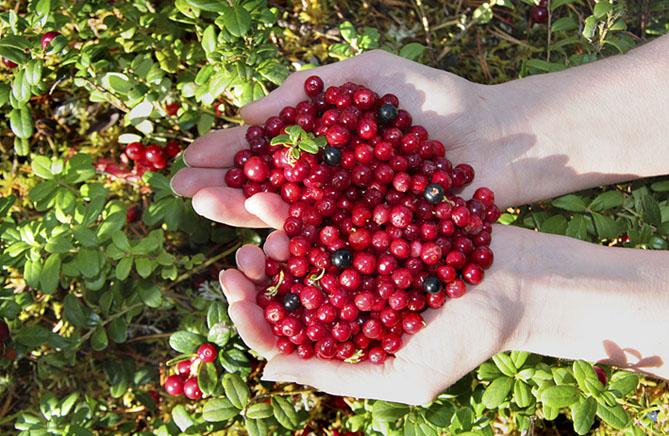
(431, 285)
(332, 156)
(434, 193)
(291, 302)
(387, 113)
(342, 258)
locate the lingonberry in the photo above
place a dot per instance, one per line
(377, 355)
(172, 108)
(154, 153)
(482, 256)
(456, 288)
(207, 352)
(412, 323)
(539, 14)
(472, 273)
(326, 348)
(184, 367)
(391, 343)
(601, 374)
(135, 151)
(174, 385)
(46, 39)
(191, 389)
(9, 63)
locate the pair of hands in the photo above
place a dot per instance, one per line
(458, 337)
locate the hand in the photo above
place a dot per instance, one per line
(451, 108)
(457, 338)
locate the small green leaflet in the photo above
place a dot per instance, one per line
(296, 139)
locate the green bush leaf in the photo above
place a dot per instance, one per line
(570, 202)
(185, 342)
(559, 396)
(259, 411)
(236, 20)
(256, 427)
(99, 340)
(21, 122)
(607, 227)
(236, 390)
(50, 275)
(607, 200)
(182, 418)
(623, 383)
(586, 377)
(285, 413)
(207, 378)
(583, 414)
(505, 364)
(412, 51)
(522, 394)
(385, 411)
(496, 392)
(615, 416)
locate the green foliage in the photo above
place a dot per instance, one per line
(95, 301)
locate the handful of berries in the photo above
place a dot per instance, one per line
(377, 231)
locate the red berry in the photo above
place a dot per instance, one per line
(191, 389)
(132, 214)
(207, 352)
(256, 169)
(46, 39)
(412, 323)
(184, 367)
(154, 154)
(135, 151)
(377, 356)
(539, 14)
(4, 332)
(601, 374)
(9, 63)
(171, 109)
(174, 385)
(172, 148)
(313, 86)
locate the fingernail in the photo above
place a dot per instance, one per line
(174, 191)
(278, 377)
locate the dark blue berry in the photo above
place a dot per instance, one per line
(434, 193)
(431, 285)
(342, 258)
(387, 113)
(291, 302)
(332, 156)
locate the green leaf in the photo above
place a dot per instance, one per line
(412, 51)
(204, 123)
(74, 311)
(662, 186)
(150, 294)
(647, 206)
(564, 24)
(440, 415)
(280, 139)
(21, 122)
(123, 268)
(385, 411)
(496, 392)
(623, 383)
(602, 8)
(182, 418)
(285, 413)
(557, 225)
(118, 330)
(236, 390)
(13, 54)
(259, 411)
(522, 394)
(586, 378)
(99, 340)
(570, 202)
(207, 378)
(589, 27)
(519, 358)
(488, 371)
(615, 416)
(143, 266)
(21, 87)
(348, 32)
(208, 5)
(256, 427)
(607, 227)
(209, 39)
(32, 336)
(185, 342)
(578, 228)
(583, 414)
(559, 396)
(117, 82)
(505, 364)
(50, 275)
(236, 20)
(607, 200)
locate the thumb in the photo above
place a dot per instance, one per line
(291, 91)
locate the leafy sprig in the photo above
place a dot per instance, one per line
(299, 140)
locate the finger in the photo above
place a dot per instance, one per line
(225, 205)
(268, 207)
(188, 181)
(216, 149)
(253, 328)
(236, 286)
(361, 380)
(291, 91)
(251, 262)
(276, 246)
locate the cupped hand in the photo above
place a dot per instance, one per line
(457, 338)
(452, 109)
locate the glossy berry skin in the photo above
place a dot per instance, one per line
(172, 148)
(412, 323)
(9, 63)
(342, 258)
(472, 274)
(313, 86)
(46, 39)
(377, 356)
(154, 153)
(601, 375)
(191, 389)
(387, 113)
(184, 367)
(256, 169)
(135, 151)
(332, 156)
(539, 14)
(174, 385)
(434, 193)
(431, 285)
(207, 352)
(291, 302)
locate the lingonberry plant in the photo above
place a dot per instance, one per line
(106, 272)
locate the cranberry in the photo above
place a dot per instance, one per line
(412, 323)
(9, 63)
(135, 151)
(377, 356)
(174, 385)
(391, 343)
(207, 352)
(172, 148)
(456, 288)
(472, 273)
(171, 109)
(285, 346)
(482, 256)
(539, 14)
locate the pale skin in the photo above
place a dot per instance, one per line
(529, 140)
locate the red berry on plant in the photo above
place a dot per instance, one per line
(174, 385)
(46, 39)
(191, 389)
(207, 352)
